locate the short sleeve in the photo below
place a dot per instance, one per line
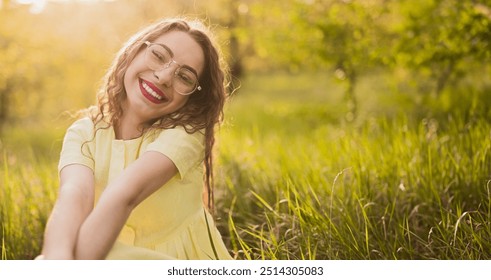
(186, 150)
(78, 145)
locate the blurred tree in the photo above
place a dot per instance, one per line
(19, 64)
(349, 36)
(228, 19)
(444, 38)
(43, 62)
(353, 39)
(439, 41)
(233, 22)
(5, 71)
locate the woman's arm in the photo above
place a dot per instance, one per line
(75, 202)
(138, 181)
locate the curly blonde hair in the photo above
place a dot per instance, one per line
(203, 110)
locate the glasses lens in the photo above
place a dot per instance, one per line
(185, 81)
(157, 57)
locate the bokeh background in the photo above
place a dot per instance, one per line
(354, 129)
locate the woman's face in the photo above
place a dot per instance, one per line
(151, 94)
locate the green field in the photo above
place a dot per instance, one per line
(409, 178)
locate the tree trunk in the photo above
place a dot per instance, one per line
(4, 106)
(444, 77)
(351, 100)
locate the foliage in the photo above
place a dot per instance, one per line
(445, 39)
(437, 42)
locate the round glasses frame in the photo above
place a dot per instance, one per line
(163, 60)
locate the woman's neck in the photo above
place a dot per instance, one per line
(129, 128)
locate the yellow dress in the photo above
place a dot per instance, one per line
(171, 223)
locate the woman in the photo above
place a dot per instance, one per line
(131, 171)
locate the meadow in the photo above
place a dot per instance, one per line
(408, 178)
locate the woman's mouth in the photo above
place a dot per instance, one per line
(151, 92)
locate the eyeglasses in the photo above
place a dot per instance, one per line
(159, 56)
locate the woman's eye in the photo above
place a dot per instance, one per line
(185, 78)
(158, 55)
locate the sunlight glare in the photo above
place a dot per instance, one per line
(38, 6)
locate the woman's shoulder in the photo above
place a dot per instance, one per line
(89, 118)
(82, 124)
(86, 126)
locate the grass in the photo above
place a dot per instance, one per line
(28, 188)
(27, 195)
(302, 184)
(296, 181)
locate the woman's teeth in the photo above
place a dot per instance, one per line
(151, 91)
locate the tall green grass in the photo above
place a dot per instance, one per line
(299, 183)
(26, 197)
(28, 187)
(406, 180)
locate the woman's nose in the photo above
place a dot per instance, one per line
(165, 75)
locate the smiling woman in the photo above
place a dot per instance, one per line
(143, 155)
(157, 90)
